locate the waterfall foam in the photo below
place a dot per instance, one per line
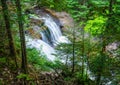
(56, 34)
(45, 38)
(42, 46)
(50, 37)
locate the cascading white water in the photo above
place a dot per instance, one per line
(55, 37)
(56, 34)
(42, 46)
(51, 36)
(44, 37)
(53, 28)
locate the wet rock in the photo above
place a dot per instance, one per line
(112, 46)
(36, 21)
(65, 20)
(34, 32)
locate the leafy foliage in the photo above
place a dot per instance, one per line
(77, 9)
(96, 26)
(38, 60)
(58, 5)
(96, 17)
(23, 76)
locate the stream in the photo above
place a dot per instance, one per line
(51, 37)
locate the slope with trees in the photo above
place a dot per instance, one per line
(97, 26)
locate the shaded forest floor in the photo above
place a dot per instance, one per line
(12, 75)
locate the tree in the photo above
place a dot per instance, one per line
(73, 60)
(22, 36)
(8, 29)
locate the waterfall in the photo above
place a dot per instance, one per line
(45, 37)
(55, 32)
(50, 37)
(41, 46)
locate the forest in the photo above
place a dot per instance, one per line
(59, 42)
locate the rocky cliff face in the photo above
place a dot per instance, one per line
(65, 20)
(62, 19)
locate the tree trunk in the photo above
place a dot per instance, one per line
(83, 55)
(83, 49)
(98, 79)
(2, 38)
(22, 36)
(110, 7)
(73, 61)
(9, 33)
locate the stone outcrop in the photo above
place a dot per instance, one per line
(62, 19)
(65, 20)
(34, 33)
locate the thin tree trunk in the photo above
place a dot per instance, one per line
(98, 79)
(83, 51)
(22, 36)
(66, 62)
(2, 37)
(88, 56)
(110, 7)
(73, 61)
(9, 33)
